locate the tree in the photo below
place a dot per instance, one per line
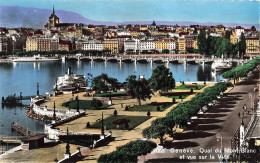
(166, 51)
(191, 90)
(158, 108)
(148, 113)
(162, 79)
(139, 89)
(253, 28)
(242, 44)
(88, 125)
(156, 131)
(115, 113)
(104, 83)
(227, 35)
(202, 42)
(153, 24)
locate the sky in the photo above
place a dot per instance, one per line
(217, 11)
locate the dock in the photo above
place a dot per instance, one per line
(22, 130)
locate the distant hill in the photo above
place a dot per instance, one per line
(14, 16)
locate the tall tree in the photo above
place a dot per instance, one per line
(242, 44)
(253, 28)
(227, 34)
(162, 79)
(202, 42)
(139, 89)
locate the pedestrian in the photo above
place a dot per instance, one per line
(239, 115)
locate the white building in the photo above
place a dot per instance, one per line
(92, 45)
(123, 33)
(147, 45)
(131, 44)
(172, 46)
(239, 30)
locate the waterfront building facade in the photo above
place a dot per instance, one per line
(111, 45)
(181, 45)
(89, 45)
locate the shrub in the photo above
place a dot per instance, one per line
(191, 90)
(115, 113)
(148, 114)
(88, 125)
(173, 100)
(126, 108)
(158, 108)
(129, 152)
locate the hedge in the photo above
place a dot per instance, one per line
(128, 152)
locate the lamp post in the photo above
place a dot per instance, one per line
(219, 138)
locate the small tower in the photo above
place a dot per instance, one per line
(54, 111)
(67, 154)
(242, 133)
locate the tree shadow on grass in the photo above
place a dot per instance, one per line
(180, 145)
(191, 135)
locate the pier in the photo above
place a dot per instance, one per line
(22, 130)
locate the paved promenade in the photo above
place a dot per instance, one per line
(221, 119)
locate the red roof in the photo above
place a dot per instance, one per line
(54, 31)
(46, 25)
(71, 30)
(239, 27)
(134, 29)
(111, 27)
(64, 24)
(183, 33)
(91, 26)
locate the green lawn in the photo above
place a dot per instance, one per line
(151, 107)
(134, 121)
(83, 104)
(188, 86)
(113, 94)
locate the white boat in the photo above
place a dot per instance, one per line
(70, 82)
(35, 58)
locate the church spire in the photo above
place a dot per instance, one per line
(53, 10)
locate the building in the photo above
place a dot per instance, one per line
(53, 20)
(121, 40)
(239, 30)
(233, 38)
(160, 45)
(189, 41)
(195, 44)
(181, 45)
(65, 46)
(95, 45)
(111, 45)
(172, 46)
(3, 43)
(42, 44)
(131, 45)
(252, 45)
(220, 28)
(147, 45)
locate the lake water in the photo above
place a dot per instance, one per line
(23, 77)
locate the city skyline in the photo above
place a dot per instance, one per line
(206, 11)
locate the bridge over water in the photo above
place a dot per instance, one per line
(155, 59)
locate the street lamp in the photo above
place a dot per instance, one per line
(219, 138)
